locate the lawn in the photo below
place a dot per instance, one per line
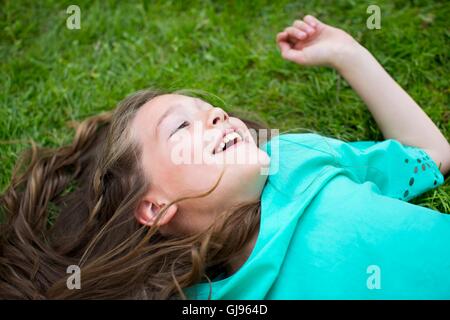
(50, 75)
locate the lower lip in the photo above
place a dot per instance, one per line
(237, 143)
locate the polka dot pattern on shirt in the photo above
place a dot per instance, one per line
(423, 163)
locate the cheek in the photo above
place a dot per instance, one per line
(185, 177)
(187, 160)
(197, 177)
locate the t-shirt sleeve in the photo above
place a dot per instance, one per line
(398, 170)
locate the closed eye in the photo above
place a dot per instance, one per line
(183, 125)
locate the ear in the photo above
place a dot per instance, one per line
(147, 212)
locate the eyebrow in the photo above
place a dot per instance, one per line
(171, 109)
(165, 115)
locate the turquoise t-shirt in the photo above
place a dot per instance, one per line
(336, 224)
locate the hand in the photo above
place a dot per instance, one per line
(312, 42)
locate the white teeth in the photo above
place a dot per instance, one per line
(228, 137)
(231, 136)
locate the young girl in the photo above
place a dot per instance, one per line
(329, 220)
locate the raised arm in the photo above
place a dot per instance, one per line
(311, 42)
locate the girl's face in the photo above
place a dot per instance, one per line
(186, 144)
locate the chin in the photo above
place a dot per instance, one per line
(251, 175)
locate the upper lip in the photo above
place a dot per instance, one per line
(220, 137)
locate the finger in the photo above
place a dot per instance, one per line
(282, 40)
(303, 26)
(311, 20)
(282, 36)
(296, 33)
(292, 55)
(283, 46)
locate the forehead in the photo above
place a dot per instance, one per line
(148, 115)
(158, 105)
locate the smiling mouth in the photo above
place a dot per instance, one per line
(229, 140)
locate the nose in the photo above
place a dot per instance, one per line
(216, 115)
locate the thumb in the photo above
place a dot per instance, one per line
(293, 55)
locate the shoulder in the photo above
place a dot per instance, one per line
(297, 157)
(293, 138)
(312, 144)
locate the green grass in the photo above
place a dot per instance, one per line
(50, 75)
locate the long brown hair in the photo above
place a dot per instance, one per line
(74, 205)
